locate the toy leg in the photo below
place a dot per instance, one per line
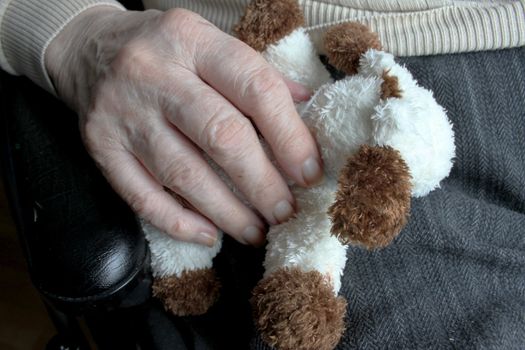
(184, 279)
(296, 304)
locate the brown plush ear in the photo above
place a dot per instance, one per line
(267, 21)
(345, 43)
(373, 200)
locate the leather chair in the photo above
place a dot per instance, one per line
(86, 255)
(84, 250)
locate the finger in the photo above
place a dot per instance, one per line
(258, 90)
(148, 199)
(299, 92)
(178, 165)
(229, 138)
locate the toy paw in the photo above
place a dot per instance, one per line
(373, 200)
(298, 310)
(193, 293)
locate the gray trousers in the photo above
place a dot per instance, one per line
(455, 276)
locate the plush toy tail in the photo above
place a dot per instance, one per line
(373, 200)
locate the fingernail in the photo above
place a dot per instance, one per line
(253, 235)
(206, 238)
(283, 211)
(312, 172)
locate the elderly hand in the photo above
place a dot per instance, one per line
(154, 90)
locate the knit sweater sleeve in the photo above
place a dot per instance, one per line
(28, 26)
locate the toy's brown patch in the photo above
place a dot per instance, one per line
(345, 43)
(193, 293)
(390, 86)
(298, 310)
(267, 21)
(373, 200)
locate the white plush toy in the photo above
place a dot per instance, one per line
(382, 138)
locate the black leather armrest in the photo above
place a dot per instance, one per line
(83, 245)
(132, 4)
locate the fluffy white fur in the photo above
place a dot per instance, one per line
(415, 125)
(305, 240)
(342, 115)
(339, 114)
(349, 113)
(171, 257)
(295, 57)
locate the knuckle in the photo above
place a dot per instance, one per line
(144, 204)
(91, 132)
(189, 30)
(263, 84)
(179, 228)
(225, 136)
(133, 58)
(179, 21)
(178, 15)
(99, 138)
(94, 136)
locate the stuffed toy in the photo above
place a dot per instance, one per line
(383, 139)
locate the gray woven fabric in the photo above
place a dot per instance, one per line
(455, 277)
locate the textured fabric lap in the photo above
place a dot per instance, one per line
(455, 277)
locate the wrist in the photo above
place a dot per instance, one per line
(70, 56)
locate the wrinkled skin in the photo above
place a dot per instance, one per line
(154, 90)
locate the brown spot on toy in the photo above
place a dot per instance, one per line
(265, 22)
(345, 43)
(298, 310)
(390, 86)
(373, 200)
(193, 293)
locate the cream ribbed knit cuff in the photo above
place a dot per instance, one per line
(28, 26)
(456, 26)
(3, 60)
(405, 27)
